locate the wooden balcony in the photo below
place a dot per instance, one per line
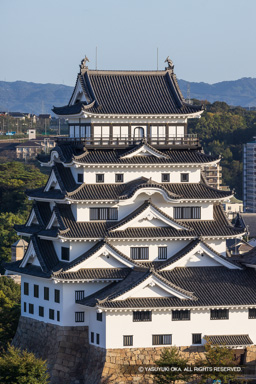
(187, 141)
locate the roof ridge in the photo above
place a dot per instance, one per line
(176, 287)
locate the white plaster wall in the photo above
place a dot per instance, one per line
(76, 248)
(97, 327)
(218, 245)
(135, 172)
(119, 324)
(172, 247)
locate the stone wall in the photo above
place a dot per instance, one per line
(71, 360)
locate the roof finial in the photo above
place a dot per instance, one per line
(83, 65)
(170, 63)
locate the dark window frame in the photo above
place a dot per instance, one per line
(92, 337)
(36, 291)
(196, 338)
(46, 293)
(58, 315)
(41, 311)
(97, 338)
(51, 314)
(219, 314)
(127, 340)
(165, 177)
(251, 313)
(24, 307)
(184, 177)
(139, 253)
(65, 253)
(162, 339)
(162, 253)
(56, 295)
(79, 317)
(100, 177)
(80, 178)
(119, 175)
(31, 309)
(26, 288)
(99, 316)
(187, 213)
(179, 315)
(79, 295)
(140, 316)
(103, 214)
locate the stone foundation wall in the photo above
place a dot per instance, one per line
(71, 360)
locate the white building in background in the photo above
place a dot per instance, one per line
(126, 237)
(249, 177)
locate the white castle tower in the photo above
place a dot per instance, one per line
(127, 238)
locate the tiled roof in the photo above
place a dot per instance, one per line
(129, 93)
(43, 209)
(212, 286)
(46, 253)
(229, 339)
(94, 274)
(31, 270)
(247, 220)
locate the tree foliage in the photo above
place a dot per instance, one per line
(22, 367)
(170, 358)
(9, 309)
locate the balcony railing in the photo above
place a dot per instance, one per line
(187, 141)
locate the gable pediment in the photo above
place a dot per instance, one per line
(30, 257)
(144, 150)
(52, 183)
(53, 221)
(79, 94)
(32, 219)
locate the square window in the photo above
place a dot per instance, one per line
(119, 177)
(79, 295)
(100, 178)
(41, 311)
(162, 253)
(80, 177)
(161, 339)
(97, 338)
(184, 177)
(180, 315)
(51, 314)
(142, 316)
(92, 337)
(58, 315)
(127, 341)
(65, 253)
(79, 317)
(46, 293)
(26, 289)
(99, 316)
(25, 306)
(36, 290)
(165, 177)
(31, 308)
(57, 296)
(196, 338)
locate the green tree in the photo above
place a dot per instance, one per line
(170, 358)
(22, 367)
(9, 309)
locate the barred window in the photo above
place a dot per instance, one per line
(25, 306)
(31, 308)
(79, 295)
(26, 289)
(162, 253)
(252, 313)
(184, 177)
(180, 315)
(65, 253)
(196, 338)
(79, 317)
(142, 315)
(103, 214)
(187, 212)
(161, 339)
(100, 178)
(127, 341)
(51, 314)
(219, 314)
(80, 177)
(97, 338)
(92, 337)
(36, 290)
(57, 296)
(46, 293)
(58, 315)
(41, 311)
(99, 316)
(119, 177)
(165, 177)
(139, 253)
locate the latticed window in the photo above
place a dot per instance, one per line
(187, 212)
(79, 317)
(196, 338)
(165, 177)
(79, 295)
(119, 177)
(31, 308)
(46, 293)
(127, 340)
(100, 178)
(252, 313)
(139, 253)
(219, 314)
(184, 177)
(161, 339)
(162, 253)
(103, 214)
(142, 316)
(180, 315)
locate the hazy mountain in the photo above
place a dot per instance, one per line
(21, 96)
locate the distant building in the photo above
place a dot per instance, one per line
(31, 134)
(249, 177)
(213, 175)
(233, 207)
(30, 149)
(247, 220)
(17, 115)
(44, 117)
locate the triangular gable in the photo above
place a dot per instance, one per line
(104, 257)
(154, 286)
(144, 150)
(199, 255)
(53, 221)
(32, 218)
(52, 182)
(151, 216)
(79, 94)
(30, 257)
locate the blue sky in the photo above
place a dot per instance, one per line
(208, 40)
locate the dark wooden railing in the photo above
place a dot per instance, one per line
(187, 141)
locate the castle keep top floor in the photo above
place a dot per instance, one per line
(110, 108)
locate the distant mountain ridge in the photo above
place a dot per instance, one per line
(22, 96)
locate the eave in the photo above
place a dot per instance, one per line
(165, 309)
